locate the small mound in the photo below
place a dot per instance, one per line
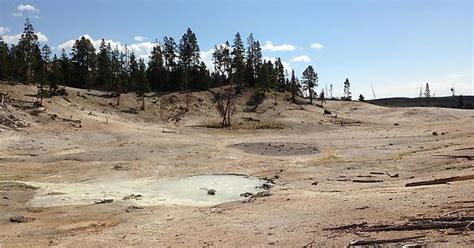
(277, 148)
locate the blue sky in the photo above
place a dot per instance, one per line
(397, 45)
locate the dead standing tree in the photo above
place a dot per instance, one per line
(222, 64)
(226, 105)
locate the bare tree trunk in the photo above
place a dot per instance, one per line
(119, 91)
(143, 103)
(229, 103)
(186, 87)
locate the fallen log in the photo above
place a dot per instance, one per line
(377, 173)
(366, 181)
(444, 218)
(468, 157)
(345, 227)
(384, 241)
(346, 123)
(55, 116)
(440, 181)
(463, 149)
(421, 226)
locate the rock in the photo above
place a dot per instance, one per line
(104, 201)
(133, 196)
(131, 209)
(396, 124)
(265, 193)
(211, 191)
(315, 183)
(246, 194)
(120, 168)
(327, 112)
(21, 219)
(435, 134)
(267, 186)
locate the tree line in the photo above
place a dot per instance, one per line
(172, 66)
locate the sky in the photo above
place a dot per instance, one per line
(394, 46)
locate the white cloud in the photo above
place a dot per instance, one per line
(13, 39)
(206, 57)
(42, 37)
(301, 58)
(4, 30)
(139, 38)
(317, 46)
(141, 49)
(26, 8)
(277, 48)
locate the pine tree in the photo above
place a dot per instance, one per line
(264, 75)
(104, 73)
(4, 60)
(254, 60)
(28, 55)
(115, 69)
(310, 80)
(169, 53)
(330, 90)
(133, 72)
(156, 72)
(427, 94)
(347, 90)
(42, 73)
(238, 62)
(294, 86)
(280, 76)
(361, 98)
(65, 68)
(120, 71)
(84, 63)
(55, 76)
(188, 55)
(427, 91)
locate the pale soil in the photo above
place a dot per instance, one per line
(152, 145)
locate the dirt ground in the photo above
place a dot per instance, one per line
(320, 173)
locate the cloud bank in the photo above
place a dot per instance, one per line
(269, 46)
(301, 58)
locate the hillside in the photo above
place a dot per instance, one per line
(442, 102)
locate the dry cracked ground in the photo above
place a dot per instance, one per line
(83, 172)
